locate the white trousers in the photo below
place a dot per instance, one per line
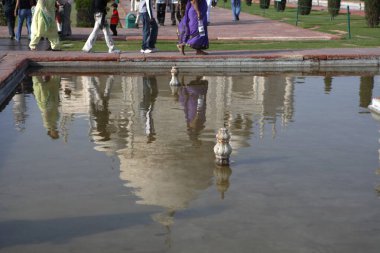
(106, 31)
(208, 9)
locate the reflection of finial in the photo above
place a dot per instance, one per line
(222, 149)
(378, 190)
(174, 81)
(222, 175)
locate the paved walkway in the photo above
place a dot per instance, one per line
(15, 57)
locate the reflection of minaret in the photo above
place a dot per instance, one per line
(365, 92)
(275, 94)
(19, 104)
(19, 111)
(328, 84)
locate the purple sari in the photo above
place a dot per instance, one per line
(188, 27)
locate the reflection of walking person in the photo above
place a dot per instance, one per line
(100, 12)
(192, 30)
(150, 92)
(193, 99)
(46, 92)
(114, 19)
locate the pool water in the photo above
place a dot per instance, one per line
(125, 163)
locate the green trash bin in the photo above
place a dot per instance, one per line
(130, 21)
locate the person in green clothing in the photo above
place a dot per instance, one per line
(43, 25)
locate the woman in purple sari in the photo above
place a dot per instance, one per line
(188, 28)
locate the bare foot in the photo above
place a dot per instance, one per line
(201, 52)
(181, 48)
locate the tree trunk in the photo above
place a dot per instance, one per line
(264, 4)
(334, 7)
(305, 6)
(372, 12)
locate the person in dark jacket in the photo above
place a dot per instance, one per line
(9, 8)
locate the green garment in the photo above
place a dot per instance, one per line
(43, 24)
(46, 93)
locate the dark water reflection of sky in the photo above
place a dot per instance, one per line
(125, 163)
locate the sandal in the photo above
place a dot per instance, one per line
(201, 52)
(181, 48)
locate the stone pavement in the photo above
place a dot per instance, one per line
(15, 57)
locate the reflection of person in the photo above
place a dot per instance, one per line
(100, 12)
(43, 25)
(150, 92)
(9, 8)
(46, 92)
(193, 99)
(188, 28)
(99, 107)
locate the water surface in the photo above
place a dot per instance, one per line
(125, 163)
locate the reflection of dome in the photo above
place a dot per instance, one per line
(222, 175)
(167, 175)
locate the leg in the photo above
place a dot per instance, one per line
(145, 31)
(172, 14)
(29, 22)
(113, 29)
(20, 23)
(92, 38)
(10, 23)
(153, 35)
(238, 8)
(208, 10)
(107, 37)
(34, 40)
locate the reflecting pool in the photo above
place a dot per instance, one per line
(125, 163)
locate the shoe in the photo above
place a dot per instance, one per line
(32, 49)
(154, 50)
(148, 51)
(87, 51)
(114, 51)
(142, 51)
(12, 37)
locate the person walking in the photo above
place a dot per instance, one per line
(44, 25)
(192, 30)
(64, 13)
(24, 12)
(236, 7)
(115, 20)
(175, 12)
(9, 9)
(161, 10)
(150, 27)
(100, 12)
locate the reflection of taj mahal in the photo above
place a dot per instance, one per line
(165, 142)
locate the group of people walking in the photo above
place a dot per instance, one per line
(51, 19)
(44, 19)
(192, 27)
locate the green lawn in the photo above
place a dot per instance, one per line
(361, 35)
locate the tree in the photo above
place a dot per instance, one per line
(304, 6)
(333, 7)
(85, 15)
(372, 12)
